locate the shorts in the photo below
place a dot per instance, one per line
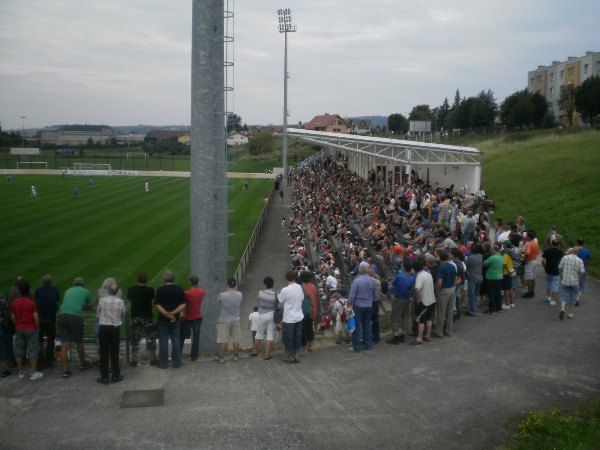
(71, 328)
(507, 282)
(266, 326)
(568, 294)
(226, 330)
(26, 343)
(552, 282)
(423, 313)
(530, 270)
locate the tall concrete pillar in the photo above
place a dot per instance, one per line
(208, 193)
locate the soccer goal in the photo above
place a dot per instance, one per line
(32, 165)
(133, 155)
(89, 166)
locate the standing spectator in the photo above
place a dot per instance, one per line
(291, 298)
(192, 319)
(425, 301)
(70, 321)
(141, 297)
(403, 284)
(170, 301)
(554, 236)
(254, 320)
(375, 329)
(101, 293)
(509, 274)
(445, 283)
(550, 259)
(474, 267)
(494, 264)
(308, 330)
(47, 299)
(571, 270)
(13, 293)
(110, 310)
(585, 255)
(266, 325)
(5, 341)
(363, 292)
(530, 255)
(25, 317)
(228, 323)
(468, 228)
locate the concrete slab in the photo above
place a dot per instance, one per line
(452, 393)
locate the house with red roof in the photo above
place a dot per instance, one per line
(330, 123)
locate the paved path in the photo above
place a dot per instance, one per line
(270, 257)
(453, 393)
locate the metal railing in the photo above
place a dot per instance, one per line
(245, 258)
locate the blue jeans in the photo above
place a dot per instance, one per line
(292, 337)
(190, 327)
(473, 294)
(166, 331)
(363, 323)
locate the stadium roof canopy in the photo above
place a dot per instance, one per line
(395, 150)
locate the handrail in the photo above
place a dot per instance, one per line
(245, 258)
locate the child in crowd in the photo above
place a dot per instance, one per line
(339, 307)
(254, 319)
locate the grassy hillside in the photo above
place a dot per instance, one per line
(113, 230)
(550, 179)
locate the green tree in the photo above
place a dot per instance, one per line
(587, 100)
(483, 111)
(421, 112)
(397, 123)
(442, 112)
(539, 114)
(262, 142)
(457, 100)
(524, 109)
(234, 123)
(566, 101)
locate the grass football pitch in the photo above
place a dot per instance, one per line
(114, 229)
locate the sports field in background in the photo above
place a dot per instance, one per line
(114, 229)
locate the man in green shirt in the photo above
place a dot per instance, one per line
(70, 319)
(494, 277)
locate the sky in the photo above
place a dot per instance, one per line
(128, 62)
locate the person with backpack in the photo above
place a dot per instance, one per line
(403, 284)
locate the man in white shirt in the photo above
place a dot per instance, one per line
(425, 297)
(291, 298)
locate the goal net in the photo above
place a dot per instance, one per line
(88, 166)
(32, 165)
(132, 155)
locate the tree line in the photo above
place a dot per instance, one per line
(523, 109)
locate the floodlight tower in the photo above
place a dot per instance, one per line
(285, 27)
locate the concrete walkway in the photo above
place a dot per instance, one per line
(270, 257)
(453, 393)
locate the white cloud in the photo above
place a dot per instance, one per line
(129, 62)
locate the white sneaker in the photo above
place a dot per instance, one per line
(570, 316)
(21, 375)
(548, 300)
(36, 376)
(512, 305)
(505, 306)
(552, 303)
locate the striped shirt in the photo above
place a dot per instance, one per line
(571, 268)
(110, 310)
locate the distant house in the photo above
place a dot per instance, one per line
(161, 135)
(330, 123)
(237, 139)
(359, 126)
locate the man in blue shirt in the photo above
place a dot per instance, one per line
(362, 294)
(585, 255)
(47, 299)
(403, 284)
(445, 281)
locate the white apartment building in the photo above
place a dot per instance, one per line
(547, 80)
